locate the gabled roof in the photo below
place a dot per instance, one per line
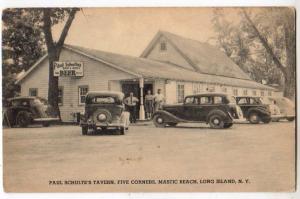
(141, 67)
(203, 57)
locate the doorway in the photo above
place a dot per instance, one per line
(135, 88)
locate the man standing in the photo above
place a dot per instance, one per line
(149, 104)
(158, 100)
(131, 103)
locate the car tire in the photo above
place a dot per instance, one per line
(84, 130)
(216, 121)
(159, 121)
(254, 118)
(122, 131)
(23, 119)
(290, 119)
(46, 124)
(228, 125)
(266, 120)
(172, 124)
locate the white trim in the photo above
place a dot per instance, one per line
(31, 68)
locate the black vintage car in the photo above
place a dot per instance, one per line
(23, 111)
(254, 109)
(103, 110)
(216, 109)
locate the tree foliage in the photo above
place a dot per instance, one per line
(262, 43)
(22, 45)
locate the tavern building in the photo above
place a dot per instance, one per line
(176, 65)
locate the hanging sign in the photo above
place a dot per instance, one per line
(68, 69)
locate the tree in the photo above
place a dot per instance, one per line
(262, 43)
(22, 45)
(26, 33)
(284, 23)
(51, 17)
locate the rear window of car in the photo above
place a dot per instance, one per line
(103, 100)
(218, 100)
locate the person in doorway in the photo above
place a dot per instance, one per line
(158, 100)
(131, 103)
(149, 99)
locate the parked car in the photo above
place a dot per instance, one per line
(216, 109)
(103, 110)
(254, 109)
(23, 111)
(285, 107)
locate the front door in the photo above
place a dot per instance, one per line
(134, 87)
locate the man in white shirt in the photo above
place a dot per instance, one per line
(158, 100)
(131, 103)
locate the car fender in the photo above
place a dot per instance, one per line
(259, 110)
(168, 117)
(225, 115)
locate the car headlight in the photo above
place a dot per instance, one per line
(101, 117)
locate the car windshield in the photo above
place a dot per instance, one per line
(103, 100)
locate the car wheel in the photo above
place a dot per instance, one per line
(84, 130)
(254, 118)
(46, 124)
(290, 119)
(266, 120)
(23, 119)
(228, 125)
(122, 131)
(172, 124)
(159, 121)
(216, 122)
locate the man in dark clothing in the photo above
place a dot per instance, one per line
(131, 103)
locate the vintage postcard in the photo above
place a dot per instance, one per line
(149, 99)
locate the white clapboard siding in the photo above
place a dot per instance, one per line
(96, 77)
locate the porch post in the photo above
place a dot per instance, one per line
(142, 110)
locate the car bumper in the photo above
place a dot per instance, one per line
(95, 125)
(47, 119)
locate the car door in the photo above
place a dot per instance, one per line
(205, 105)
(189, 109)
(243, 103)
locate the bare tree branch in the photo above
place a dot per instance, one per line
(66, 28)
(265, 43)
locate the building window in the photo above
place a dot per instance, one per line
(235, 92)
(245, 92)
(262, 93)
(60, 95)
(197, 88)
(224, 89)
(82, 91)
(163, 46)
(33, 92)
(180, 93)
(254, 93)
(270, 93)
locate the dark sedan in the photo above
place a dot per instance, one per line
(23, 111)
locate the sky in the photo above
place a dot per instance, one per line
(129, 30)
